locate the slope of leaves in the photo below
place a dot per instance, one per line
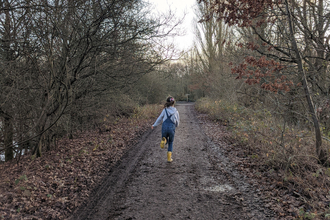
(52, 186)
(293, 183)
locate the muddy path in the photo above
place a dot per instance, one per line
(201, 183)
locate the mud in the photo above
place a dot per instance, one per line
(200, 183)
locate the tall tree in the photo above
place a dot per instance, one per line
(211, 36)
(301, 27)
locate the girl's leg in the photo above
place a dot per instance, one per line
(163, 142)
(170, 130)
(170, 140)
(164, 137)
(164, 132)
(170, 146)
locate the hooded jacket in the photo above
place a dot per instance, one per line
(170, 111)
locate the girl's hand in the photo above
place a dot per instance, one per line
(152, 127)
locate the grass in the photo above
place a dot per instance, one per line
(146, 111)
(281, 145)
(277, 146)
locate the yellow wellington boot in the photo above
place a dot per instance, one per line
(169, 156)
(162, 143)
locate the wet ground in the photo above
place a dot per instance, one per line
(200, 183)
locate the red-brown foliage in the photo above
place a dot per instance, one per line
(256, 70)
(234, 12)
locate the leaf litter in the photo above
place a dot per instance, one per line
(54, 185)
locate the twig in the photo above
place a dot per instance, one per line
(326, 138)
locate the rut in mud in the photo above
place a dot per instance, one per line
(201, 183)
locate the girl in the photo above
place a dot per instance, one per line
(170, 118)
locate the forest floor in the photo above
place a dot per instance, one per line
(210, 177)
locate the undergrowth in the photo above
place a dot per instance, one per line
(146, 111)
(274, 144)
(140, 113)
(281, 145)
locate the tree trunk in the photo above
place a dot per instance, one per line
(319, 151)
(8, 139)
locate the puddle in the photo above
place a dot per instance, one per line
(219, 188)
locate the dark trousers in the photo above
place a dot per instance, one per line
(168, 131)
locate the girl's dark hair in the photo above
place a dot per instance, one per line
(169, 102)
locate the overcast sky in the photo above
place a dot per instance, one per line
(180, 7)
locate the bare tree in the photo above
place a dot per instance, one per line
(66, 58)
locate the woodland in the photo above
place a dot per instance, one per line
(72, 71)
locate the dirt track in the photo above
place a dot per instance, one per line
(200, 183)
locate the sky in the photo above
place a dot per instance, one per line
(180, 7)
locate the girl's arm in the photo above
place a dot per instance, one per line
(159, 119)
(177, 119)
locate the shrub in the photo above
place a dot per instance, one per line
(280, 145)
